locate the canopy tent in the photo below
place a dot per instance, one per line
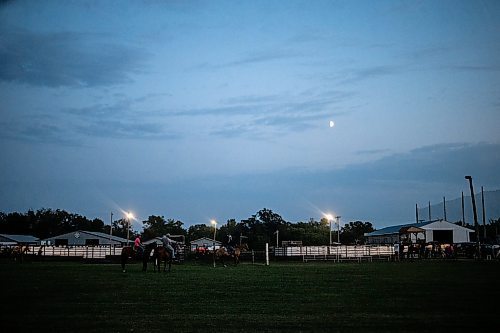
(408, 231)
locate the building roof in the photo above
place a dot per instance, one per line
(396, 228)
(103, 235)
(205, 240)
(20, 238)
(92, 233)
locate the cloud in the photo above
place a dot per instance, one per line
(38, 129)
(66, 59)
(440, 163)
(249, 59)
(476, 68)
(72, 126)
(372, 151)
(125, 129)
(122, 119)
(357, 75)
(255, 115)
(384, 191)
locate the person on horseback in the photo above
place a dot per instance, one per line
(138, 247)
(229, 244)
(167, 243)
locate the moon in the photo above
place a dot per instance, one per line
(332, 123)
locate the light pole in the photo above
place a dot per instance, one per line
(214, 223)
(129, 216)
(338, 228)
(469, 178)
(330, 218)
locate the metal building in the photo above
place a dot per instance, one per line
(81, 237)
(431, 231)
(9, 240)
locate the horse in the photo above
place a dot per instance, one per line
(19, 251)
(162, 255)
(222, 252)
(129, 252)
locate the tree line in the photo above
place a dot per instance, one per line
(263, 227)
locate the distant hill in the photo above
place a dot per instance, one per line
(454, 208)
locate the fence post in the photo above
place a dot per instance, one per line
(267, 254)
(214, 250)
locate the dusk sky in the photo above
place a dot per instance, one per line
(199, 110)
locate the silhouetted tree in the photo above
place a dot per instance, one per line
(200, 230)
(353, 232)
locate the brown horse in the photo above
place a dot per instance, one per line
(129, 252)
(222, 252)
(162, 255)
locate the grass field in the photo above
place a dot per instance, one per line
(453, 296)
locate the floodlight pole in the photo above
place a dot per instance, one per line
(330, 220)
(111, 226)
(128, 228)
(338, 228)
(463, 210)
(469, 178)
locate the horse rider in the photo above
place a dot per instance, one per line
(229, 244)
(138, 247)
(167, 243)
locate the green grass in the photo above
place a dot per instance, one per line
(284, 297)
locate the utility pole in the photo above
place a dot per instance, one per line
(484, 218)
(463, 210)
(416, 212)
(444, 208)
(429, 210)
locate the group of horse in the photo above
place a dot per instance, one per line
(158, 254)
(161, 257)
(17, 252)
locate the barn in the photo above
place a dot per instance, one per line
(81, 237)
(204, 242)
(8, 240)
(430, 231)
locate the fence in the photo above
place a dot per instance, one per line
(337, 253)
(83, 251)
(86, 252)
(305, 253)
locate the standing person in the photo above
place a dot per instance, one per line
(167, 243)
(138, 245)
